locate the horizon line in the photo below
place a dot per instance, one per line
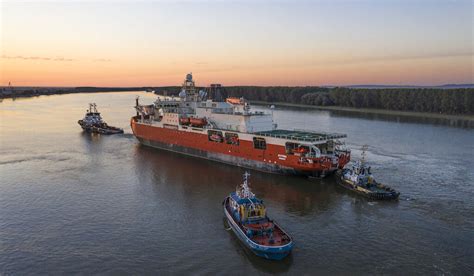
(248, 85)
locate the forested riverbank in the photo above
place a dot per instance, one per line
(25, 92)
(464, 121)
(440, 101)
(458, 101)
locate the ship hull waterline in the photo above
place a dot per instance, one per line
(172, 144)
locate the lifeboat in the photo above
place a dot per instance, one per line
(184, 121)
(216, 137)
(199, 122)
(234, 100)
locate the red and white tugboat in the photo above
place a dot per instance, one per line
(230, 132)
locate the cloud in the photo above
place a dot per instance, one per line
(102, 60)
(37, 58)
(59, 59)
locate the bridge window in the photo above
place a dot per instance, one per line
(259, 143)
(290, 147)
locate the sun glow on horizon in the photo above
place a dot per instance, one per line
(236, 43)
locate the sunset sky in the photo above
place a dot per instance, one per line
(247, 42)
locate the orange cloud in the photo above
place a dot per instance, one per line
(37, 58)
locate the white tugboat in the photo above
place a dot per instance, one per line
(92, 122)
(360, 180)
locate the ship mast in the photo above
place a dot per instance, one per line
(244, 191)
(189, 88)
(93, 108)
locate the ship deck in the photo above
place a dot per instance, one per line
(300, 135)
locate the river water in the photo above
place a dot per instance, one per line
(71, 202)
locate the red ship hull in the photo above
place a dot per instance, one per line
(273, 159)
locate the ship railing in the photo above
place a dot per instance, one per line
(296, 138)
(329, 135)
(226, 111)
(290, 137)
(222, 111)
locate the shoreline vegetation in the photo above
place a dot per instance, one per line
(27, 92)
(468, 118)
(435, 103)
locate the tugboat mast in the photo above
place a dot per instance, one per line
(93, 108)
(246, 193)
(364, 149)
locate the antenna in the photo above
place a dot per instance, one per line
(364, 154)
(246, 193)
(246, 177)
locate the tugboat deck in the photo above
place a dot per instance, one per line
(277, 240)
(300, 135)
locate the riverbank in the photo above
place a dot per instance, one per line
(469, 118)
(26, 92)
(447, 119)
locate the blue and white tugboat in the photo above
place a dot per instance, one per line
(248, 219)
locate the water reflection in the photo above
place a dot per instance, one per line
(454, 122)
(124, 207)
(92, 141)
(195, 177)
(195, 188)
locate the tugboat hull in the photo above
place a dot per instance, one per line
(381, 192)
(107, 130)
(267, 252)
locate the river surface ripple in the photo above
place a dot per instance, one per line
(75, 203)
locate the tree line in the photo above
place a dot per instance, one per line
(446, 101)
(435, 100)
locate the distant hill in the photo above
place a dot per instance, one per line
(376, 86)
(467, 85)
(122, 88)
